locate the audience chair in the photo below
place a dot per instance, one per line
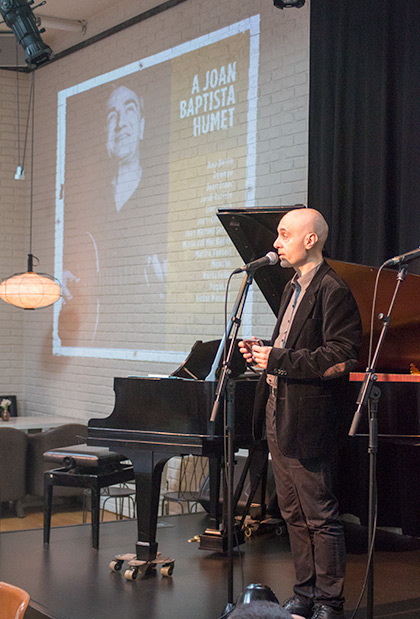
(118, 494)
(38, 444)
(13, 601)
(13, 450)
(193, 475)
(86, 467)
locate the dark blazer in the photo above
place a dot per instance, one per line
(321, 349)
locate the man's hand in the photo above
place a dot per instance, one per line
(259, 354)
(245, 350)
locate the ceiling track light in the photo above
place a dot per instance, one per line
(18, 16)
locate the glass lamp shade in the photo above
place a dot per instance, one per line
(30, 290)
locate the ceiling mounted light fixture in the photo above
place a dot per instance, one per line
(30, 290)
(285, 4)
(18, 16)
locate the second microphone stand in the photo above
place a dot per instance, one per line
(369, 394)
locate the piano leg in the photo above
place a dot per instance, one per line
(148, 467)
(215, 467)
(214, 538)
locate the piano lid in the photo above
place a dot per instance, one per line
(253, 232)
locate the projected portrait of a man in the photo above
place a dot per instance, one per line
(115, 221)
(125, 127)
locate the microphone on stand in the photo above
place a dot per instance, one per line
(267, 260)
(403, 258)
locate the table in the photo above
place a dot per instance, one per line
(37, 422)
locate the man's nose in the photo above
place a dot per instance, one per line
(121, 121)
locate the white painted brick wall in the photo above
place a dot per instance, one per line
(14, 219)
(82, 388)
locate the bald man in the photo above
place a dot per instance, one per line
(314, 346)
(125, 129)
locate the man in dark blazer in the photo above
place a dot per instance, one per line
(300, 397)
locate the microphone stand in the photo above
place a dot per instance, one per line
(369, 394)
(226, 385)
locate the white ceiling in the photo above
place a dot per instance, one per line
(77, 10)
(98, 15)
(74, 9)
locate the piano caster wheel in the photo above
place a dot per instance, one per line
(131, 574)
(118, 561)
(250, 529)
(115, 566)
(167, 569)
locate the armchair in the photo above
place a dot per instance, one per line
(13, 449)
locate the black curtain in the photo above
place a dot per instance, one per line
(364, 135)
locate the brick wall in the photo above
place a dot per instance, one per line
(184, 184)
(14, 219)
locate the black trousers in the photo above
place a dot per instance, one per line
(311, 513)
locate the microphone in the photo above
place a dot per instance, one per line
(267, 260)
(403, 258)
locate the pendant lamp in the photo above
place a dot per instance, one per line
(30, 290)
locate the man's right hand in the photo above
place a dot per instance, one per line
(245, 351)
(246, 347)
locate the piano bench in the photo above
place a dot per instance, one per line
(87, 467)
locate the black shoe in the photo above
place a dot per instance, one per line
(299, 606)
(322, 611)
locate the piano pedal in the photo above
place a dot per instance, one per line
(253, 526)
(137, 566)
(196, 538)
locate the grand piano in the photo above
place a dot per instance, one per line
(157, 418)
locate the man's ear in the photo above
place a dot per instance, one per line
(141, 132)
(311, 240)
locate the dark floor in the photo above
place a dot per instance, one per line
(70, 580)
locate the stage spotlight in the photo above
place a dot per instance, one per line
(17, 14)
(284, 4)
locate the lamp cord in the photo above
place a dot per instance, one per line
(27, 119)
(32, 101)
(17, 101)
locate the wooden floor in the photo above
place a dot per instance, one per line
(64, 514)
(70, 580)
